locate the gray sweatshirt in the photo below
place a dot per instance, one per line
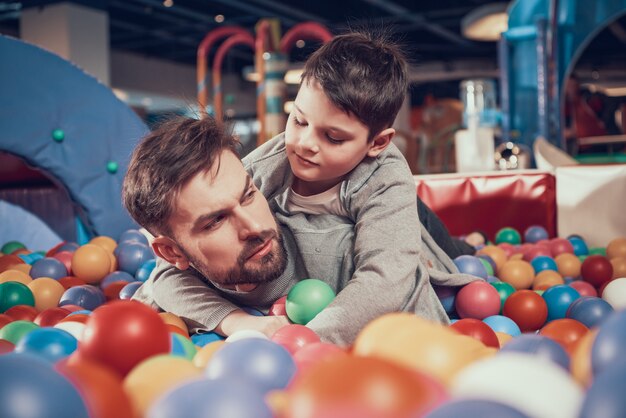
(379, 260)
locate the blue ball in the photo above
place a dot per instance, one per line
(264, 364)
(492, 263)
(589, 310)
(609, 347)
(30, 387)
(85, 296)
(605, 397)
(539, 346)
(492, 279)
(48, 343)
(206, 338)
(558, 299)
(252, 311)
(144, 271)
(68, 246)
(474, 408)
(580, 246)
(48, 267)
(543, 262)
(116, 276)
(447, 297)
(535, 233)
(470, 264)
(501, 323)
(131, 255)
(133, 235)
(129, 290)
(224, 397)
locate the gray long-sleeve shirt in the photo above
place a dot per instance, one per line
(379, 260)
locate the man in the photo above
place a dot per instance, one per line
(187, 187)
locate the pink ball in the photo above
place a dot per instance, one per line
(293, 337)
(314, 353)
(536, 251)
(584, 288)
(278, 308)
(478, 300)
(560, 246)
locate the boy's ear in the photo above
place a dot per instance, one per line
(168, 250)
(380, 142)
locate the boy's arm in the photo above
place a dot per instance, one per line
(186, 295)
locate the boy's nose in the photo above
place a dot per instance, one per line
(308, 142)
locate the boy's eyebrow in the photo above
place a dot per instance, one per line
(200, 220)
(332, 128)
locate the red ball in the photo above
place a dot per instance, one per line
(5, 319)
(477, 300)
(71, 281)
(566, 332)
(560, 246)
(536, 251)
(477, 329)
(22, 313)
(6, 346)
(597, 270)
(120, 334)
(65, 257)
(50, 317)
(293, 337)
(278, 308)
(584, 288)
(314, 353)
(527, 309)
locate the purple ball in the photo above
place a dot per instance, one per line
(470, 264)
(116, 276)
(85, 296)
(535, 233)
(129, 290)
(539, 346)
(48, 267)
(131, 255)
(589, 310)
(133, 235)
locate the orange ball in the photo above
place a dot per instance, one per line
(546, 279)
(91, 263)
(517, 273)
(566, 332)
(619, 267)
(616, 248)
(47, 292)
(105, 242)
(497, 254)
(204, 354)
(13, 275)
(24, 268)
(568, 264)
(170, 318)
(581, 358)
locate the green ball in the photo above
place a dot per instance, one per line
(306, 299)
(11, 246)
(14, 331)
(597, 251)
(509, 235)
(582, 257)
(58, 135)
(487, 265)
(182, 347)
(504, 290)
(112, 167)
(13, 294)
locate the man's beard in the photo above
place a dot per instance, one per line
(272, 265)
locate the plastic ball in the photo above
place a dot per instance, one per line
(50, 344)
(50, 317)
(206, 338)
(122, 334)
(144, 271)
(488, 263)
(580, 364)
(596, 269)
(222, 397)
(133, 235)
(609, 348)
(542, 263)
(535, 233)
(15, 276)
(527, 309)
(71, 281)
(48, 267)
(22, 312)
(47, 292)
(616, 248)
(598, 251)
(477, 329)
(619, 267)
(531, 385)
(566, 332)
(306, 299)
(583, 288)
(129, 290)
(477, 300)
(536, 251)
(579, 245)
(605, 398)
(85, 296)
(116, 276)
(508, 235)
(91, 263)
(105, 242)
(469, 264)
(447, 297)
(11, 246)
(205, 353)
(132, 255)
(362, 385)
(500, 323)
(293, 337)
(278, 308)
(568, 265)
(65, 257)
(561, 246)
(16, 330)
(30, 387)
(474, 408)
(539, 346)
(558, 299)
(77, 329)
(314, 353)
(517, 273)
(615, 293)
(14, 293)
(504, 290)
(547, 279)
(497, 254)
(589, 311)
(265, 364)
(182, 346)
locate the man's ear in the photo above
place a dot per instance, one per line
(380, 142)
(168, 250)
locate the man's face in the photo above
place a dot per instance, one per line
(224, 227)
(323, 142)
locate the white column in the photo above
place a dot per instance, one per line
(77, 33)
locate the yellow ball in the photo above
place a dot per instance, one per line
(15, 275)
(47, 292)
(517, 273)
(616, 248)
(568, 264)
(105, 242)
(91, 263)
(204, 354)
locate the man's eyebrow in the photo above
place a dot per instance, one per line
(204, 218)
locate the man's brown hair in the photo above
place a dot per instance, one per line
(164, 161)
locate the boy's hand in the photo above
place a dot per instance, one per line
(240, 320)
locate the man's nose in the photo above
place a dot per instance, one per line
(248, 224)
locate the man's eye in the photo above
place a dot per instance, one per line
(215, 222)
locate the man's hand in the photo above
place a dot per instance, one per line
(240, 320)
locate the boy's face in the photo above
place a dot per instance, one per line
(222, 226)
(323, 142)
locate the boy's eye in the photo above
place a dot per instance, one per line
(297, 122)
(333, 140)
(249, 195)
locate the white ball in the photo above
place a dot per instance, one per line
(534, 386)
(245, 333)
(615, 293)
(73, 327)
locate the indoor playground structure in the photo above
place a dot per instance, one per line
(540, 333)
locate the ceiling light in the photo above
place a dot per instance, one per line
(293, 76)
(300, 43)
(486, 23)
(219, 18)
(288, 107)
(168, 3)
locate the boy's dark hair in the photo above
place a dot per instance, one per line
(166, 159)
(361, 73)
